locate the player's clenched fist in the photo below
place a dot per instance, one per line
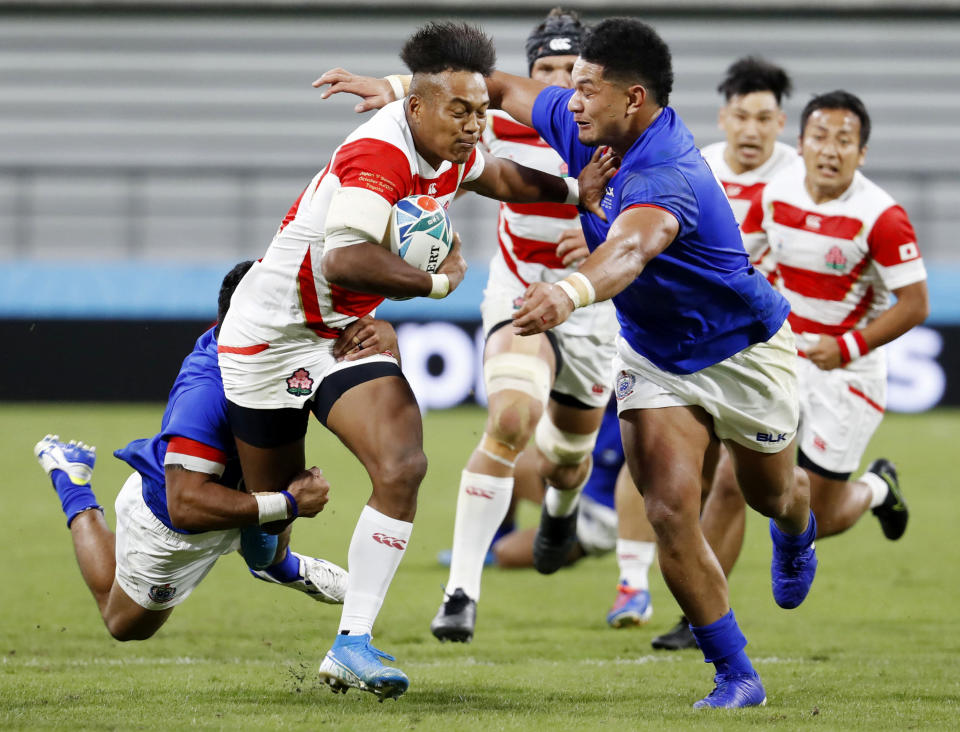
(311, 491)
(544, 306)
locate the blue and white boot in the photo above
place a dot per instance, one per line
(318, 578)
(70, 468)
(353, 662)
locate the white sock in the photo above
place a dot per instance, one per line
(378, 544)
(878, 488)
(634, 559)
(482, 504)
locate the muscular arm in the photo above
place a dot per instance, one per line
(197, 503)
(506, 180)
(636, 236)
(515, 95)
(369, 267)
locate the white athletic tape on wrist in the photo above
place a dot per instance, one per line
(579, 289)
(573, 191)
(519, 372)
(563, 448)
(272, 506)
(441, 286)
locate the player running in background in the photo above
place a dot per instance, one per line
(697, 321)
(182, 509)
(325, 268)
(752, 117)
(842, 247)
(552, 387)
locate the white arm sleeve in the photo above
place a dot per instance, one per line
(356, 215)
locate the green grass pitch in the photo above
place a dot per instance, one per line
(875, 646)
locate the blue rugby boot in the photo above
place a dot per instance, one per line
(632, 607)
(70, 468)
(353, 662)
(733, 691)
(793, 565)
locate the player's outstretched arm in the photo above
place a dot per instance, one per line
(515, 95)
(506, 180)
(196, 502)
(636, 236)
(374, 92)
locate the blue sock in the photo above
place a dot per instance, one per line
(791, 542)
(286, 570)
(722, 644)
(73, 498)
(258, 547)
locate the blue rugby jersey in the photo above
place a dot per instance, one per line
(195, 431)
(699, 301)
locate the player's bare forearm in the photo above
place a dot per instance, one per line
(636, 236)
(368, 267)
(515, 95)
(198, 503)
(911, 309)
(506, 180)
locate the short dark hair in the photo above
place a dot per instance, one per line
(838, 99)
(631, 51)
(229, 284)
(559, 34)
(449, 46)
(754, 74)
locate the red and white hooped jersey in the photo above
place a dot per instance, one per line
(837, 261)
(286, 292)
(527, 233)
(743, 188)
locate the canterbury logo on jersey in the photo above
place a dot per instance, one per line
(390, 541)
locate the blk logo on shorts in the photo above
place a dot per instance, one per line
(300, 383)
(390, 541)
(625, 384)
(771, 437)
(162, 593)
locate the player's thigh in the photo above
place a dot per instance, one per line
(518, 373)
(665, 449)
(379, 422)
(126, 620)
(763, 476)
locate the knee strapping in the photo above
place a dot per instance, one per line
(563, 448)
(499, 452)
(520, 372)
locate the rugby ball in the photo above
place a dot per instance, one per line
(420, 232)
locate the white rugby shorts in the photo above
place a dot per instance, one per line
(157, 567)
(596, 527)
(840, 410)
(752, 396)
(586, 340)
(286, 374)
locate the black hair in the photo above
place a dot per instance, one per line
(753, 74)
(631, 51)
(449, 46)
(839, 99)
(229, 284)
(559, 34)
